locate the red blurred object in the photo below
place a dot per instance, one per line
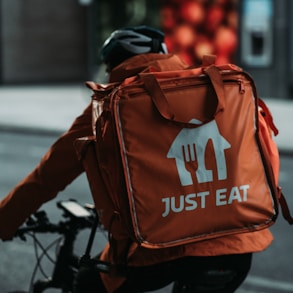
(169, 41)
(204, 46)
(232, 19)
(184, 36)
(197, 27)
(168, 18)
(225, 40)
(215, 16)
(192, 12)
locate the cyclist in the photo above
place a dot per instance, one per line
(127, 52)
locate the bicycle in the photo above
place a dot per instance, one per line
(75, 219)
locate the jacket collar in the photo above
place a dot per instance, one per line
(146, 62)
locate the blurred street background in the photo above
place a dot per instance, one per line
(48, 49)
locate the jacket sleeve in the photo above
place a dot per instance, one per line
(58, 168)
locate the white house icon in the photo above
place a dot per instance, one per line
(190, 145)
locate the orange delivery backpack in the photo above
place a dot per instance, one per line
(184, 156)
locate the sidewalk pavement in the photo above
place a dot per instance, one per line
(47, 108)
(52, 109)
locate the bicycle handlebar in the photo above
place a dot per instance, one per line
(40, 223)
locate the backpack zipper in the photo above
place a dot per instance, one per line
(241, 86)
(239, 81)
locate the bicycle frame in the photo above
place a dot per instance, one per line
(67, 263)
(65, 268)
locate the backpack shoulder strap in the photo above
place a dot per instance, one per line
(268, 116)
(281, 197)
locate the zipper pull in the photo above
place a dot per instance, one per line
(241, 86)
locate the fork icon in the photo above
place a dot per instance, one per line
(190, 146)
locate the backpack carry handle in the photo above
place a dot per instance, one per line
(160, 101)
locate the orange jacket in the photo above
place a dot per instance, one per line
(60, 166)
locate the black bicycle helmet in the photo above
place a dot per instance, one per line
(130, 41)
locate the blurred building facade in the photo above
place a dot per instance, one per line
(57, 41)
(42, 41)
